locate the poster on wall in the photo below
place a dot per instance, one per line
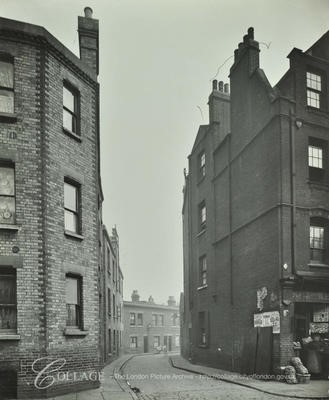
(268, 319)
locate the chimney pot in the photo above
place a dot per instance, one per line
(227, 88)
(251, 33)
(88, 12)
(245, 38)
(214, 84)
(220, 86)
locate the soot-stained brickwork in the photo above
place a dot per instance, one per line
(35, 245)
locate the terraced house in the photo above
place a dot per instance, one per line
(49, 207)
(151, 327)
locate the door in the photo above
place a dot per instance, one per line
(146, 344)
(165, 341)
(263, 357)
(169, 343)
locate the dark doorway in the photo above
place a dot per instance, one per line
(169, 343)
(8, 385)
(165, 341)
(264, 344)
(146, 344)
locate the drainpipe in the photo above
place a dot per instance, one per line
(293, 189)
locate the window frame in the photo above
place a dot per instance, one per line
(202, 216)
(203, 271)
(132, 319)
(8, 59)
(78, 306)
(140, 319)
(318, 174)
(202, 164)
(9, 165)
(318, 254)
(312, 89)
(75, 113)
(77, 212)
(11, 273)
(133, 342)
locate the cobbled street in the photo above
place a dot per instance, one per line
(156, 379)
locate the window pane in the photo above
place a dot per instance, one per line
(71, 221)
(68, 121)
(68, 99)
(71, 290)
(7, 181)
(6, 74)
(70, 196)
(313, 99)
(7, 289)
(315, 157)
(6, 101)
(313, 81)
(7, 317)
(7, 210)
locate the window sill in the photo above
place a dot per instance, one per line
(203, 346)
(9, 227)
(72, 135)
(201, 232)
(75, 332)
(316, 110)
(73, 235)
(6, 117)
(9, 336)
(318, 185)
(317, 265)
(202, 287)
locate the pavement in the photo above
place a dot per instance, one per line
(233, 385)
(112, 387)
(316, 389)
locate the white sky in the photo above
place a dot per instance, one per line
(157, 58)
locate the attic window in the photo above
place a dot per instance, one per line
(314, 89)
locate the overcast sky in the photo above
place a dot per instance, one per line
(157, 59)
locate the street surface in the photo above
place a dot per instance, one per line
(156, 379)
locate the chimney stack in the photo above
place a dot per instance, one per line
(135, 296)
(88, 40)
(171, 301)
(248, 48)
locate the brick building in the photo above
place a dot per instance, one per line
(49, 221)
(112, 298)
(149, 326)
(256, 213)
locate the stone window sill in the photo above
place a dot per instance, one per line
(9, 227)
(201, 232)
(75, 332)
(9, 336)
(6, 117)
(317, 265)
(72, 135)
(203, 346)
(202, 287)
(73, 235)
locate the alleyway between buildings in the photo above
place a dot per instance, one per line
(170, 377)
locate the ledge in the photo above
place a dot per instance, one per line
(10, 336)
(202, 287)
(9, 227)
(6, 117)
(72, 135)
(73, 235)
(75, 332)
(201, 232)
(318, 185)
(317, 265)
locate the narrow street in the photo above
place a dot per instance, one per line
(156, 379)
